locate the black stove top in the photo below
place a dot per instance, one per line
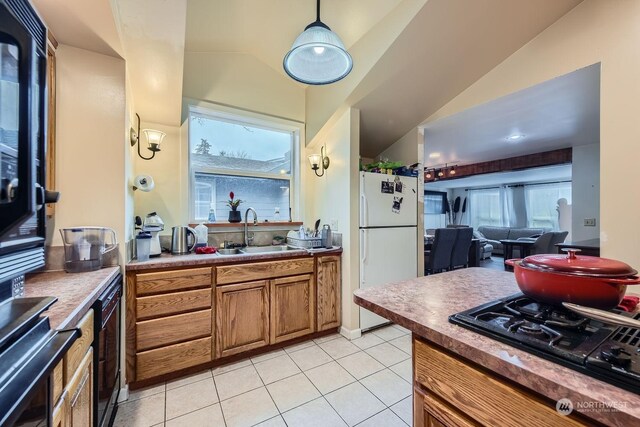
(606, 352)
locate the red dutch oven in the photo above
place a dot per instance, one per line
(579, 279)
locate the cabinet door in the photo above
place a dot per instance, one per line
(430, 411)
(292, 307)
(328, 290)
(81, 393)
(242, 317)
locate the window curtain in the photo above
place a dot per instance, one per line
(491, 206)
(543, 203)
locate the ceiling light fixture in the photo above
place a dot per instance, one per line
(440, 173)
(434, 155)
(515, 137)
(154, 139)
(428, 174)
(318, 56)
(452, 171)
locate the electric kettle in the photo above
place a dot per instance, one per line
(180, 240)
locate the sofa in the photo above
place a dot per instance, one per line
(494, 234)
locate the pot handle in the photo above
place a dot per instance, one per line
(631, 280)
(195, 238)
(114, 240)
(512, 262)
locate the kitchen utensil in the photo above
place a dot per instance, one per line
(154, 224)
(603, 316)
(180, 240)
(85, 247)
(143, 245)
(315, 228)
(579, 279)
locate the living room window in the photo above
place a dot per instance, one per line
(253, 158)
(485, 207)
(542, 203)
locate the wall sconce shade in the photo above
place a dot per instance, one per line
(452, 171)
(154, 139)
(319, 162)
(429, 175)
(440, 173)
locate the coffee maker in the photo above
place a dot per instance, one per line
(154, 224)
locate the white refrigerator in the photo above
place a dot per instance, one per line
(388, 234)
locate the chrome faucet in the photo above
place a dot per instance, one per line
(249, 239)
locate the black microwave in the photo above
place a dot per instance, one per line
(23, 105)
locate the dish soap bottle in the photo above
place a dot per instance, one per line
(212, 214)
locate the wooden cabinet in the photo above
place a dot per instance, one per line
(242, 317)
(169, 321)
(184, 318)
(292, 307)
(80, 394)
(329, 288)
(447, 390)
(79, 348)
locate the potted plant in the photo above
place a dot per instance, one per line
(234, 214)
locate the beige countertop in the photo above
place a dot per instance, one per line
(424, 304)
(76, 293)
(168, 261)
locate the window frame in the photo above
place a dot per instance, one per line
(254, 120)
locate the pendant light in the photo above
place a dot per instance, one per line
(318, 56)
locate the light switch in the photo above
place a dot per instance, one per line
(589, 222)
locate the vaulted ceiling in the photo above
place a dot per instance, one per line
(436, 49)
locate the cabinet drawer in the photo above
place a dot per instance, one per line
(458, 383)
(172, 358)
(172, 281)
(173, 329)
(79, 348)
(263, 270)
(175, 303)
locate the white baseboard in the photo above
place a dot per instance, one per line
(124, 394)
(350, 334)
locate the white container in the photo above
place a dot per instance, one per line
(202, 234)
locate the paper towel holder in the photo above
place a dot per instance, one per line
(143, 183)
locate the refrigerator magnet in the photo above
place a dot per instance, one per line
(397, 204)
(387, 187)
(398, 184)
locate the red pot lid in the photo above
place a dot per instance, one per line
(579, 264)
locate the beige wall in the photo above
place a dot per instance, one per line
(595, 31)
(90, 142)
(169, 169)
(242, 81)
(585, 187)
(333, 197)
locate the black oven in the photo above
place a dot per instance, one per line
(23, 95)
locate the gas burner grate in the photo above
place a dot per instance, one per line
(629, 336)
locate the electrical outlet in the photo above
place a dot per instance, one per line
(589, 222)
(334, 224)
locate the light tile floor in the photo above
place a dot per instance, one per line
(326, 382)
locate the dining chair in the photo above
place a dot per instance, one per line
(460, 251)
(439, 257)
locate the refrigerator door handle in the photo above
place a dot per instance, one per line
(363, 210)
(363, 254)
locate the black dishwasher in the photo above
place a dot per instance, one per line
(106, 354)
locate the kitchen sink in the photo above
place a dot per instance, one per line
(266, 249)
(233, 251)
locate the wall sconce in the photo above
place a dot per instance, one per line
(429, 174)
(154, 139)
(440, 173)
(319, 161)
(452, 171)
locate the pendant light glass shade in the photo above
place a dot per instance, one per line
(318, 56)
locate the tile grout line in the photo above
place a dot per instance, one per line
(265, 386)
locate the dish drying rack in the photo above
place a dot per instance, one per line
(294, 239)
